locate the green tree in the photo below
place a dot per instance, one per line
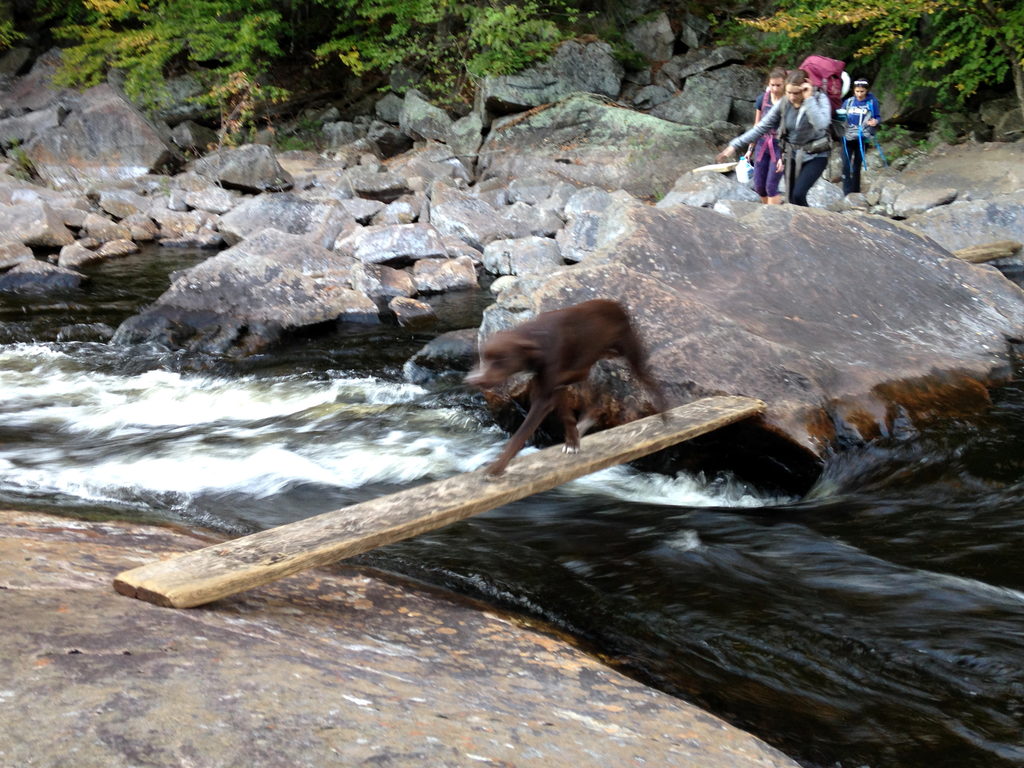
(226, 42)
(8, 34)
(146, 40)
(448, 42)
(958, 46)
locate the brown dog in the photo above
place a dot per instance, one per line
(559, 348)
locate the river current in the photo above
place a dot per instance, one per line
(877, 621)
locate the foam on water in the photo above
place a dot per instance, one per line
(682, 490)
(103, 437)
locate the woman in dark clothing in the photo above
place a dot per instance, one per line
(801, 121)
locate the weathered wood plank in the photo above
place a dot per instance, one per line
(978, 254)
(217, 571)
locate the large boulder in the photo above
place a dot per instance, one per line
(588, 141)
(13, 253)
(975, 171)
(973, 222)
(726, 94)
(396, 244)
(23, 128)
(694, 62)
(251, 168)
(843, 342)
(31, 276)
(321, 223)
(242, 299)
(574, 67)
(35, 90)
(585, 212)
(334, 667)
(105, 138)
(431, 162)
(34, 223)
(468, 218)
(652, 37)
(446, 356)
(707, 188)
(522, 256)
(440, 275)
(963, 195)
(419, 119)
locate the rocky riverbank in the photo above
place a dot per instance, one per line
(851, 320)
(847, 329)
(333, 667)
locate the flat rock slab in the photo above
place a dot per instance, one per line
(336, 667)
(976, 171)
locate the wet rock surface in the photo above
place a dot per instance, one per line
(330, 667)
(824, 334)
(369, 229)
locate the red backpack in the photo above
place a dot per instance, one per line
(827, 74)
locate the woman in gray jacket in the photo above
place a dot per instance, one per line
(801, 121)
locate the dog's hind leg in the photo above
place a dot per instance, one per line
(588, 411)
(569, 425)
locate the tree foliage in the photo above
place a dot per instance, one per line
(8, 34)
(956, 46)
(447, 42)
(148, 40)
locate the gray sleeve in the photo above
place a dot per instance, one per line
(819, 110)
(769, 122)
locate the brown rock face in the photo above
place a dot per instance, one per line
(845, 326)
(325, 668)
(104, 139)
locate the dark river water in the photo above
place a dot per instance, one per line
(877, 621)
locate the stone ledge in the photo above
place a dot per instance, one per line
(335, 667)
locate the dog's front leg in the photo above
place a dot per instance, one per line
(540, 406)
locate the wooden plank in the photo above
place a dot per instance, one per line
(978, 254)
(207, 574)
(716, 167)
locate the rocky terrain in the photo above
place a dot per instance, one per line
(851, 319)
(565, 183)
(336, 667)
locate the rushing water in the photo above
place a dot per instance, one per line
(879, 621)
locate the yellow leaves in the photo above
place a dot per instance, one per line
(801, 18)
(352, 60)
(115, 7)
(103, 6)
(781, 22)
(136, 39)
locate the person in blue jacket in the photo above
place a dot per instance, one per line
(863, 115)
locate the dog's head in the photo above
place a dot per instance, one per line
(504, 354)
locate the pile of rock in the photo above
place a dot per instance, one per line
(568, 199)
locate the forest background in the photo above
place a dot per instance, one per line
(247, 53)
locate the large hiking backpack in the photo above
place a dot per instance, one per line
(830, 76)
(827, 74)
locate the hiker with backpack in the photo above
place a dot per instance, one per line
(766, 155)
(801, 121)
(862, 116)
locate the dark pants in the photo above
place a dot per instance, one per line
(810, 172)
(766, 179)
(852, 162)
